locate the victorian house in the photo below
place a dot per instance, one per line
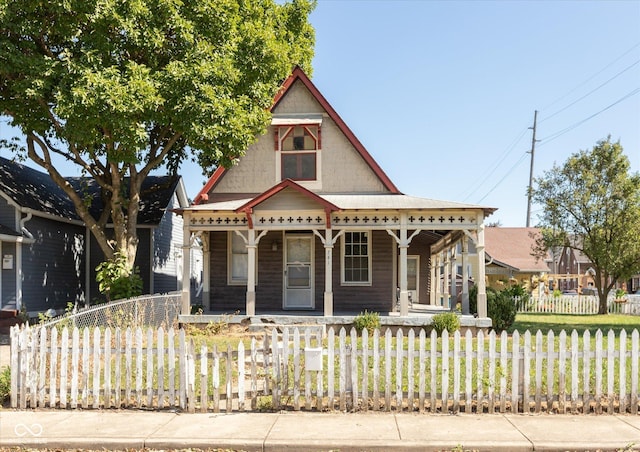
(308, 221)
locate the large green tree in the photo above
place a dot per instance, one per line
(592, 204)
(121, 87)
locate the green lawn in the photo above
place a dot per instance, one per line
(581, 323)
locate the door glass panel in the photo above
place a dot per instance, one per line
(298, 276)
(298, 250)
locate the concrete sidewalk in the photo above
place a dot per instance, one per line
(295, 431)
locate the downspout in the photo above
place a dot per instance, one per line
(19, 274)
(24, 229)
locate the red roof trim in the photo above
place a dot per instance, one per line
(287, 183)
(203, 194)
(298, 74)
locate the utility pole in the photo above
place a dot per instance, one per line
(533, 149)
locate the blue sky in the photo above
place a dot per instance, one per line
(442, 94)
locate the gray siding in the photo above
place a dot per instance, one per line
(53, 266)
(376, 297)
(7, 214)
(96, 257)
(143, 261)
(8, 289)
(167, 250)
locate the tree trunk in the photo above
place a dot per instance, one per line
(602, 306)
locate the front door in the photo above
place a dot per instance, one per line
(298, 272)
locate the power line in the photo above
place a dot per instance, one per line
(504, 177)
(499, 162)
(591, 92)
(593, 76)
(555, 135)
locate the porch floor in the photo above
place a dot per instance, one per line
(419, 316)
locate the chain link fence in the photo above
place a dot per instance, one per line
(144, 311)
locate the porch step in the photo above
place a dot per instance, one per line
(8, 313)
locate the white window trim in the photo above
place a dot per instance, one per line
(308, 184)
(369, 260)
(230, 280)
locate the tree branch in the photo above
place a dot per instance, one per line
(82, 210)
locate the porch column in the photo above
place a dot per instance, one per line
(206, 270)
(465, 276)
(454, 278)
(403, 242)
(186, 266)
(403, 245)
(481, 284)
(446, 302)
(251, 273)
(328, 241)
(432, 274)
(328, 274)
(438, 279)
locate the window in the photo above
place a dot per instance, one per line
(238, 260)
(299, 145)
(356, 258)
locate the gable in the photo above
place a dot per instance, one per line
(342, 164)
(288, 199)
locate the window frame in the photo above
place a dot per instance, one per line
(281, 133)
(343, 257)
(230, 280)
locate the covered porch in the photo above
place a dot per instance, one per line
(293, 251)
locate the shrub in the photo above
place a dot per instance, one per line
(500, 305)
(446, 321)
(5, 384)
(116, 281)
(473, 298)
(502, 310)
(367, 320)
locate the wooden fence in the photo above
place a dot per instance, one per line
(576, 304)
(105, 368)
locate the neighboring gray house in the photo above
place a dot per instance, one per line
(49, 256)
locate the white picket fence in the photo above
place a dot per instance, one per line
(59, 368)
(576, 304)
